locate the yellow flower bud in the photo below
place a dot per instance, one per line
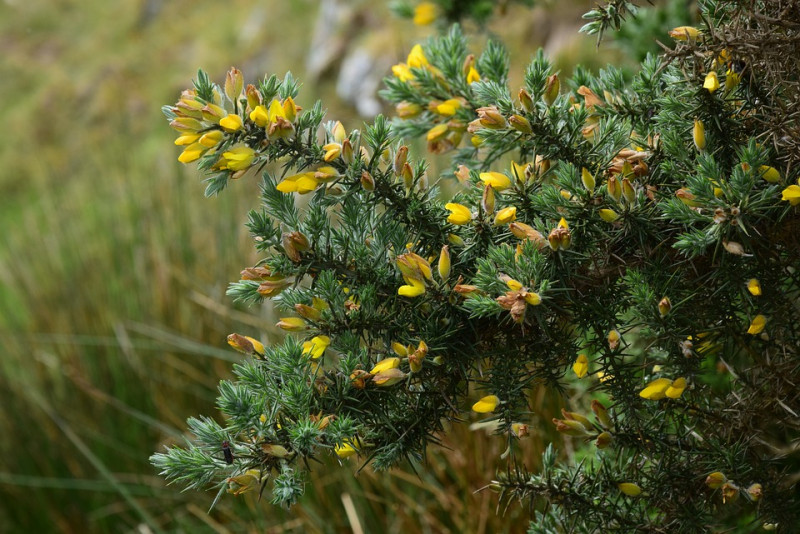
(755, 492)
(437, 132)
(339, 133)
(307, 312)
(613, 188)
(628, 191)
(664, 306)
(332, 151)
(699, 134)
(684, 33)
(408, 110)
(570, 427)
(629, 489)
(715, 480)
(614, 339)
(444, 263)
(487, 199)
(608, 215)
(487, 404)
(770, 174)
(525, 99)
(246, 344)
(455, 240)
(587, 179)
(292, 324)
(581, 366)
(551, 89)
(520, 123)
(603, 440)
(290, 109)
(367, 181)
(601, 413)
(505, 216)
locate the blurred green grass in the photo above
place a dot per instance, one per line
(113, 269)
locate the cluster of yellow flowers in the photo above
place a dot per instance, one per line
(448, 131)
(218, 126)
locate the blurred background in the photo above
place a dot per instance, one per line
(113, 266)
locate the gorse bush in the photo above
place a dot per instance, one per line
(632, 238)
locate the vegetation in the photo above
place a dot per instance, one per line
(628, 242)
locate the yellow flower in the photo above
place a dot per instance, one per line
(389, 377)
(316, 347)
(754, 287)
(675, 390)
(299, 183)
(348, 448)
(505, 216)
(629, 489)
(260, 116)
(187, 139)
(473, 75)
(711, 82)
(332, 151)
(770, 174)
(193, 152)
(212, 138)
(683, 33)
(663, 387)
(402, 72)
(448, 107)
(487, 404)
(425, 13)
(250, 480)
(414, 288)
(792, 195)
(231, 123)
(757, 325)
(732, 79)
(581, 365)
(385, 364)
(459, 213)
(497, 180)
(416, 58)
(238, 158)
